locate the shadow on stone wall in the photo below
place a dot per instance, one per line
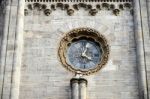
(2, 22)
(2, 18)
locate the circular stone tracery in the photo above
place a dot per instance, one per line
(91, 37)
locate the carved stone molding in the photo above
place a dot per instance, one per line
(89, 34)
(70, 9)
(78, 0)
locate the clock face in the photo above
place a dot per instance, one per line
(84, 54)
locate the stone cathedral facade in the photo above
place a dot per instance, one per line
(74, 49)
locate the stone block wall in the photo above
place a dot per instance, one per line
(42, 74)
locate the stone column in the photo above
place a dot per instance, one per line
(3, 47)
(18, 51)
(138, 27)
(82, 88)
(74, 88)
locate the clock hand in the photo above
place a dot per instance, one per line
(85, 50)
(84, 53)
(89, 58)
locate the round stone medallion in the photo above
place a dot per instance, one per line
(84, 51)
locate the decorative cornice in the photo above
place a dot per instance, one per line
(78, 0)
(71, 8)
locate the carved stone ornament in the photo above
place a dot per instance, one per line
(93, 12)
(98, 6)
(71, 9)
(47, 12)
(88, 34)
(70, 12)
(116, 12)
(77, 0)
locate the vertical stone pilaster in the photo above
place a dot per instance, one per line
(3, 48)
(138, 27)
(18, 51)
(82, 88)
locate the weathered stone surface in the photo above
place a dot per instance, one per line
(42, 71)
(42, 74)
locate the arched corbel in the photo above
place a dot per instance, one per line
(116, 12)
(75, 6)
(82, 5)
(47, 12)
(112, 6)
(89, 7)
(66, 6)
(121, 7)
(43, 6)
(53, 7)
(105, 6)
(93, 12)
(30, 6)
(98, 6)
(37, 6)
(127, 5)
(70, 12)
(60, 5)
